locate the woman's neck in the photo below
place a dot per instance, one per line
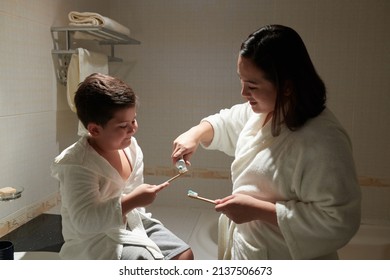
(267, 118)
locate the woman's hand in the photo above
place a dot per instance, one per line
(243, 208)
(187, 143)
(184, 147)
(141, 196)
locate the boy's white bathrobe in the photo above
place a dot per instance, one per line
(91, 190)
(309, 174)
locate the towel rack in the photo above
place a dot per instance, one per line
(62, 45)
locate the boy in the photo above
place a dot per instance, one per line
(101, 182)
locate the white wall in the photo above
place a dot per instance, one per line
(184, 70)
(35, 121)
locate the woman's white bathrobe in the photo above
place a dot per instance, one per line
(309, 174)
(91, 189)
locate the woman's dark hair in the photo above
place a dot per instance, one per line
(99, 96)
(281, 54)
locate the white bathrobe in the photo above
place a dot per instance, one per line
(91, 189)
(309, 174)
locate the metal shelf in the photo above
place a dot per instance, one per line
(62, 44)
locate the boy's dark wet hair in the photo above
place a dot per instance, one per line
(281, 54)
(99, 96)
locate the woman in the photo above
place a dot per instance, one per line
(295, 190)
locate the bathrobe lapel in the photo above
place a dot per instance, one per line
(253, 139)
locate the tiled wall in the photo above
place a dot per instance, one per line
(23, 215)
(35, 121)
(185, 67)
(183, 70)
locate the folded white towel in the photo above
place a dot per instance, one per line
(82, 64)
(95, 19)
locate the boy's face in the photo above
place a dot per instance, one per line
(117, 133)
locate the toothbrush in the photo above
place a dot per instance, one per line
(195, 195)
(176, 176)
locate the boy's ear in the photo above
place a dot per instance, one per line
(93, 129)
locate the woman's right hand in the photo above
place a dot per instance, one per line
(186, 144)
(184, 147)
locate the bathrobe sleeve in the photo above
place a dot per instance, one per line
(90, 190)
(227, 125)
(323, 212)
(85, 194)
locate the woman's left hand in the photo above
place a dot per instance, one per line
(243, 208)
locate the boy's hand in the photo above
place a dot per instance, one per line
(141, 196)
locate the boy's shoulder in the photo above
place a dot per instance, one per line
(74, 154)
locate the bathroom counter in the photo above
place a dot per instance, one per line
(42, 233)
(41, 238)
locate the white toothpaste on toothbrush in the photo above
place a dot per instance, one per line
(195, 195)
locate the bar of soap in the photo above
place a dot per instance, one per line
(7, 191)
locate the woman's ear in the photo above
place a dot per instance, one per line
(93, 129)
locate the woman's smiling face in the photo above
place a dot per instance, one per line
(260, 92)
